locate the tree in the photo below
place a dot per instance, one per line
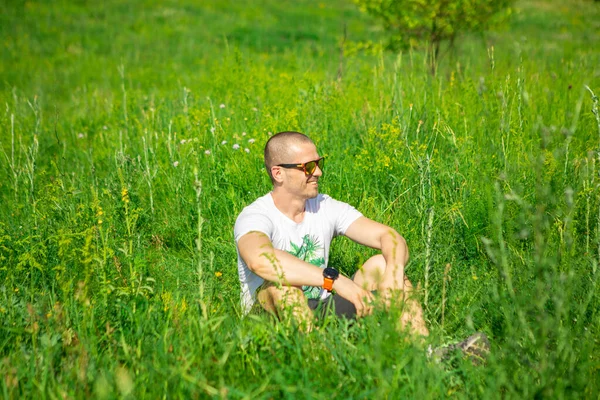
(414, 22)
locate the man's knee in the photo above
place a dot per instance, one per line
(372, 273)
(374, 267)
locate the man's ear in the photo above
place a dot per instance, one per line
(277, 174)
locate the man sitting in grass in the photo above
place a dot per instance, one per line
(283, 241)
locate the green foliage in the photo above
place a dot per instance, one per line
(411, 23)
(120, 184)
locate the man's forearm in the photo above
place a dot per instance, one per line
(280, 267)
(287, 270)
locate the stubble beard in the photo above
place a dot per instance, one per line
(313, 189)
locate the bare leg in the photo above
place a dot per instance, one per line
(371, 276)
(287, 300)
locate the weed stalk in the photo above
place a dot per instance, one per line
(200, 271)
(446, 280)
(431, 213)
(148, 175)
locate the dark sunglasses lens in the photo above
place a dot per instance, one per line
(311, 166)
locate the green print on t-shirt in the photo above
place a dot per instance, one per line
(309, 251)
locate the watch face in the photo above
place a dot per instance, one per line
(331, 273)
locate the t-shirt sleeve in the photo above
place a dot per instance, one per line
(252, 220)
(342, 215)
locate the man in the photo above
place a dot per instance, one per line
(283, 241)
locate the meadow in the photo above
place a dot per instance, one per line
(131, 136)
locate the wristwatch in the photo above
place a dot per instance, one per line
(329, 276)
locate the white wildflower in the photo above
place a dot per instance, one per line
(182, 141)
(247, 150)
(243, 133)
(207, 152)
(175, 164)
(212, 130)
(254, 109)
(251, 141)
(105, 127)
(222, 106)
(224, 142)
(80, 135)
(236, 146)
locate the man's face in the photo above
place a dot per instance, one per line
(295, 180)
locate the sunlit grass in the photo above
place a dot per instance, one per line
(129, 142)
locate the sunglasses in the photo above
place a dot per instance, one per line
(309, 168)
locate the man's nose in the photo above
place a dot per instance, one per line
(318, 171)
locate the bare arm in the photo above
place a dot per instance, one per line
(282, 268)
(393, 246)
(274, 265)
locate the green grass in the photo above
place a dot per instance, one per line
(109, 110)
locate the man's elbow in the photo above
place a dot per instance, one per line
(398, 241)
(256, 266)
(393, 234)
(404, 245)
(402, 241)
(266, 265)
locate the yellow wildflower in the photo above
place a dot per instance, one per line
(125, 195)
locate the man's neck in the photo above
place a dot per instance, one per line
(289, 205)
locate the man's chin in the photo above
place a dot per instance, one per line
(313, 190)
(313, 194)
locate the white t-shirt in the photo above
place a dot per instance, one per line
(309, 240)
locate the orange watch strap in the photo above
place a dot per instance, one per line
(328, 284)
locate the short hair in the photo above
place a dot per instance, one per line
(277, 149)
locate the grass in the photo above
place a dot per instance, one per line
(118, 198)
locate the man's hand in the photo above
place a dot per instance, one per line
(392, 291)
(361, 299)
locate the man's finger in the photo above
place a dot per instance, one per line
(364, 309)
(360, 309)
